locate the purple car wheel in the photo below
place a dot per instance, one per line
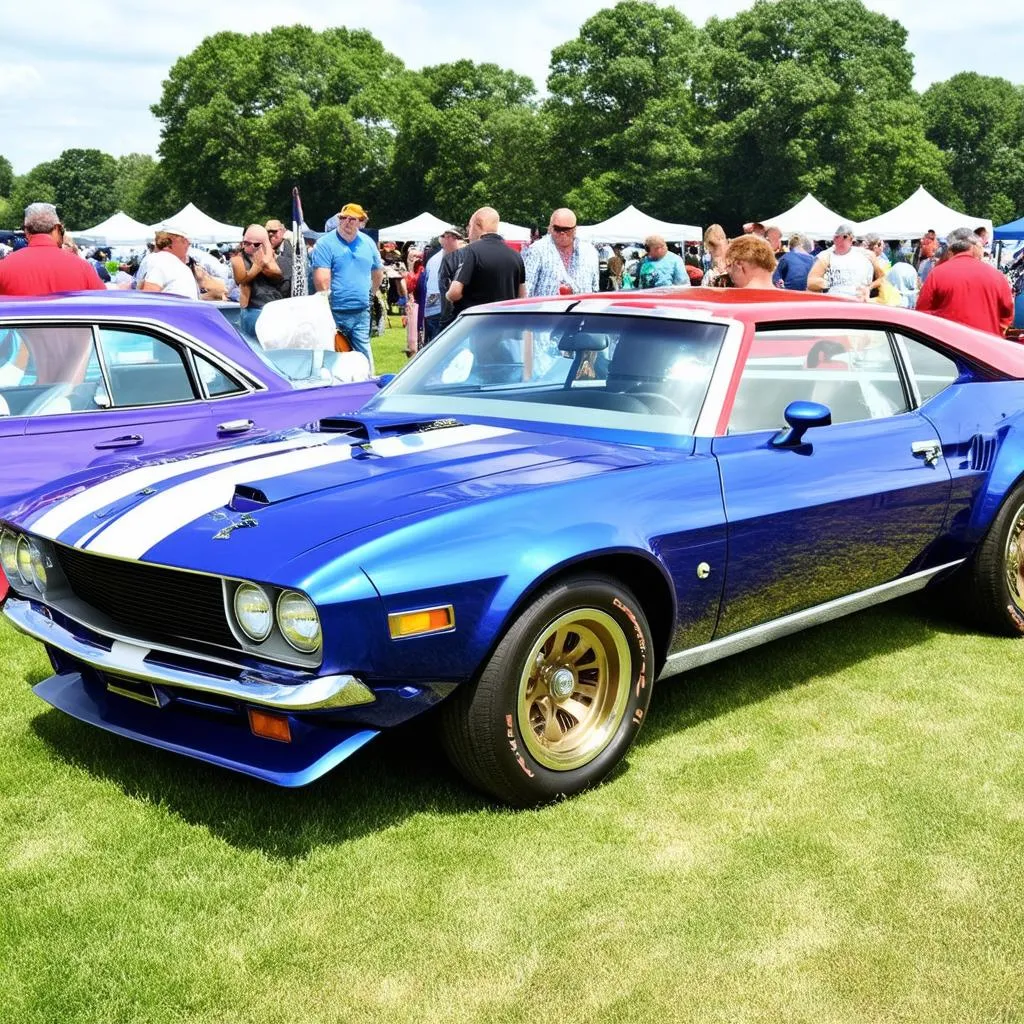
(560, 700)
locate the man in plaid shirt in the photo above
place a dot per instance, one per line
(560, 263)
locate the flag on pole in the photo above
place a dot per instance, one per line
(299, 243)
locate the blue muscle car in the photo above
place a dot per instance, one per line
(554, 505)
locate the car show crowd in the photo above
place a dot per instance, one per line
(429, 284)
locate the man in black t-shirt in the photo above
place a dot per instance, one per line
(490, 271)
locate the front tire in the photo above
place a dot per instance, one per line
(561, 698)
(997, 570)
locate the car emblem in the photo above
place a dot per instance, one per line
(241, 523)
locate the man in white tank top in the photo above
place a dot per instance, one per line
(845, 269)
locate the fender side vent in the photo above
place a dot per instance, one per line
(981, 453)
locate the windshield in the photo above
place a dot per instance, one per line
(587, 369)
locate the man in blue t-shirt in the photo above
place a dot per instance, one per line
(660, 267)
(346, 264)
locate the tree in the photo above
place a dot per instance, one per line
(810, 96)
(6, 177)
(464, 130)
(81, 182)
(131, 184)
(975, 120)
(246, 117)
(622, 113)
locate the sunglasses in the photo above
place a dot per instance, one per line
(276, 231)
(344, 220)
(246, 241)
(563, 228)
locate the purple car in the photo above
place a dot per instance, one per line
(96, 378)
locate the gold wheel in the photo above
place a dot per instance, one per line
(574, 689)
(1014, 561)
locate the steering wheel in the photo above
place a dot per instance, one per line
(658, 399)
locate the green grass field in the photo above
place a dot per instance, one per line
(827, 829)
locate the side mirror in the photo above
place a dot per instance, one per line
(385, 379)
(801, 416)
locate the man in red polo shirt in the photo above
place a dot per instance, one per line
(43, 267)
(966, 289)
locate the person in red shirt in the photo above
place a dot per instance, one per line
(966, 289)
(42, 267)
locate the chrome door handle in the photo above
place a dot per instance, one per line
(235, 426)
(931, 450)
(125, 441)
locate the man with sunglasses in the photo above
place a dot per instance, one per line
(346, 264)
(262, 273)
(560, 263)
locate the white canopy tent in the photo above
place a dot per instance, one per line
(118, 231)
(916, 215)
(198, 226)
(419, 229)
(810, 217)
(632, 225)
(513, 232)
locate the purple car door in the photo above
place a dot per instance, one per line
(90, 395)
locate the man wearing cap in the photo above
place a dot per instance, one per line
(845, 269)
(42, 267)
(434, 303)
(347, 265)
(560, 263)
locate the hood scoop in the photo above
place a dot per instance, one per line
(365, 430)
(247, 498)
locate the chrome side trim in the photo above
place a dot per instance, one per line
(746, 639)
(128, 660)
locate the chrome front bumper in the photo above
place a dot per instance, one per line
(130, 660)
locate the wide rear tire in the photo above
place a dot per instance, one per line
(996, 591)
(561, 699)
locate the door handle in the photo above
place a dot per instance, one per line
(930, 450)
(125, 441)
(235, 426)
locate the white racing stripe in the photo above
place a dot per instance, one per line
(65, 514)
(146, 525)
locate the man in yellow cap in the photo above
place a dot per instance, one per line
(347, 265)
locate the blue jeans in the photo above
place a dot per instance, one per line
(431, 325)
(355, 325)
(247, 322)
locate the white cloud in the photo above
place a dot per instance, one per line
(96, 69)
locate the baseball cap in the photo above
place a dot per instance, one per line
(451, 231)
(844, 229)
(353, 210)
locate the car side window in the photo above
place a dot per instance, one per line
(850, 369)
(144, 369)
(931, 371)
(46, 371)
(215, 381)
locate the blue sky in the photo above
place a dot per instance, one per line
(79, 74)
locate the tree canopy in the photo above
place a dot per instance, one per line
(730, 122)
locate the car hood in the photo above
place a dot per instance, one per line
(243, 510)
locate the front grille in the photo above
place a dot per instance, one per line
(149, 601)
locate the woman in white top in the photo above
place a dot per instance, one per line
(167, 268)
(845, 269)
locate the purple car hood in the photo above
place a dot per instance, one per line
(307, 489)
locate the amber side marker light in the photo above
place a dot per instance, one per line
(270, 726)
(425, 620)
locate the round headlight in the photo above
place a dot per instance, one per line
(298, 621)
(9, 554)
(38, 567)
(253, 612)
(24, 555)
